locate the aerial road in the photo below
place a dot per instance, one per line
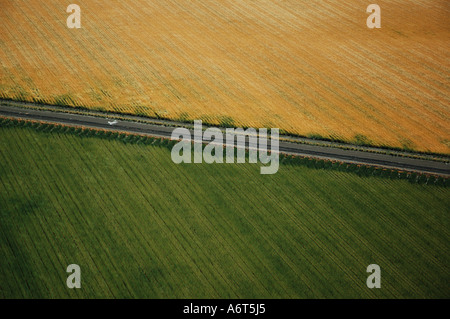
(132, 124)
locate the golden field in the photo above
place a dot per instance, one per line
(309, 67)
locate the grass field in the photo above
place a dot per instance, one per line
(140, 226)
(311, 68)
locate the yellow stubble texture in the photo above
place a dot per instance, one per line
(307, 67)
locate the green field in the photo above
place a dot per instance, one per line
(140, 226)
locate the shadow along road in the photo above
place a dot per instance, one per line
(331, 153)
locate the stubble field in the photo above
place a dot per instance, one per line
(311, 68)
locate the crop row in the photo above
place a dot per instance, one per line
(141, 226)
(255, 64)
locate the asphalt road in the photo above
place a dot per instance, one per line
(351, 156)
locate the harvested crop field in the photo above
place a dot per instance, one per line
(312, 68)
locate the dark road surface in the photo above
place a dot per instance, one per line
(351, 156)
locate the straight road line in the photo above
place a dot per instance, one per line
(330, 153)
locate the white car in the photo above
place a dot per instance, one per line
(113, 122)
